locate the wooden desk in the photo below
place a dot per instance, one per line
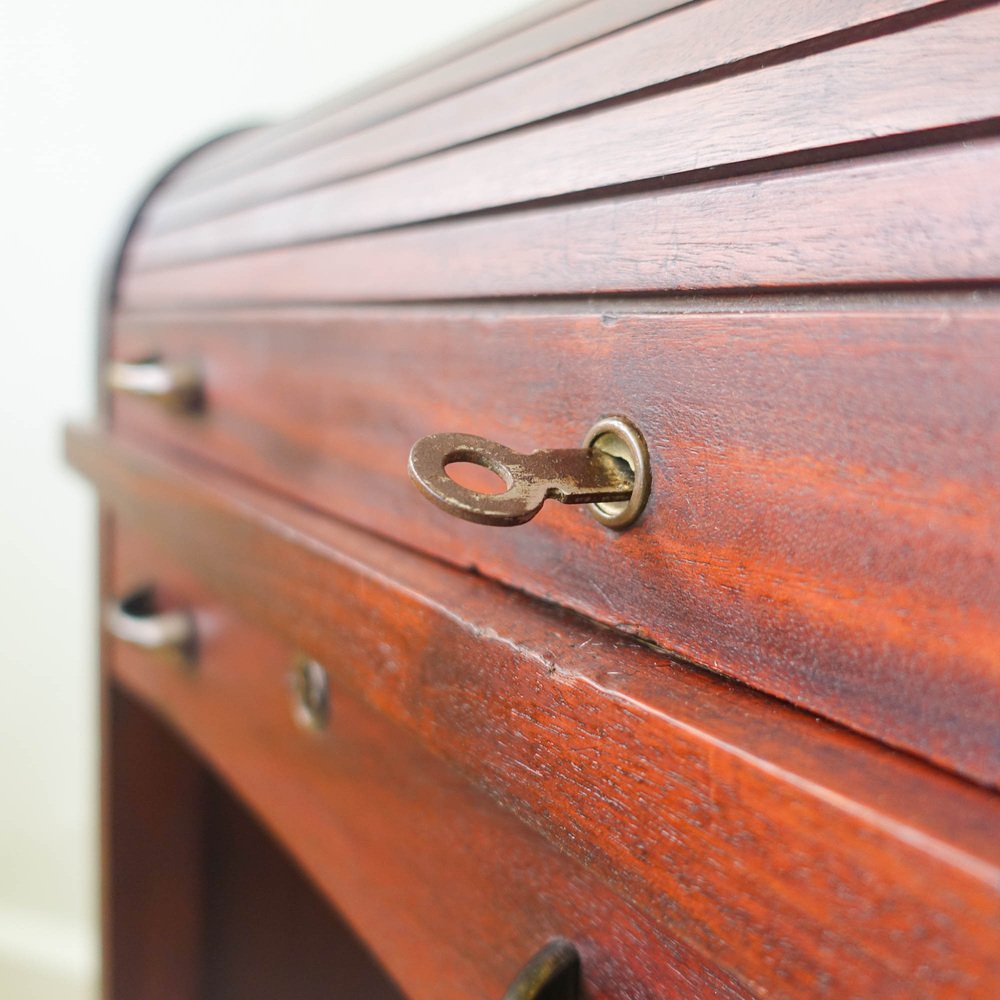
(747, 745)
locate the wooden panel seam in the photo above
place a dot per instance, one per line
(553, 34)
(883, 220)
(929, 78)
(625, 66)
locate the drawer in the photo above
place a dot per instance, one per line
(453, 893)
(800, 857)
(822, 522)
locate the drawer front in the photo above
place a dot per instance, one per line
(451, 892)
(822, 522)
(804, 859)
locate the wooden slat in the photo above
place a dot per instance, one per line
(452, 892)
(674, 47)
(563, 30)
(823, 521)
(940, 75)
(806, 860)
(922, 217)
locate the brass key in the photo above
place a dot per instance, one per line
(589, 475)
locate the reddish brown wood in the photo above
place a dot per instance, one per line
(823, 515)
(936, 76)
(805, 859)
(154, 881)
(894, 219)
(539, 33)
(269, 932)
(676, 48)
(499, 769)
(453, 893)
(105, 584)
(204, 903)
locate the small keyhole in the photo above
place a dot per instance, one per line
(616, 446)
(620, 438)
(311, 694)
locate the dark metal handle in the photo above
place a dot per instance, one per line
(551, 974)
(178, 385)
(610, 472)
(132, 619)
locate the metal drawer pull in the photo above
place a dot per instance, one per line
(610, 472)
(551, 974)
(178, 385)
(133, 619)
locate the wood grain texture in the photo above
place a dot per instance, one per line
(932, 77)
(804, 859)
(885, 220)
(539, 33)
(453, 893)
(823, 519)
(677, 48)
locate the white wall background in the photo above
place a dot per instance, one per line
(96, 97)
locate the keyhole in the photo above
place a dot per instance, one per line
(616, 446)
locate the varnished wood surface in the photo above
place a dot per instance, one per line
(679, 49)
(823, 517)
(450, 891)
(897, 219)
(270, 932)
(802, 858)
(204, 905)
(804, 194)
(936, 76)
